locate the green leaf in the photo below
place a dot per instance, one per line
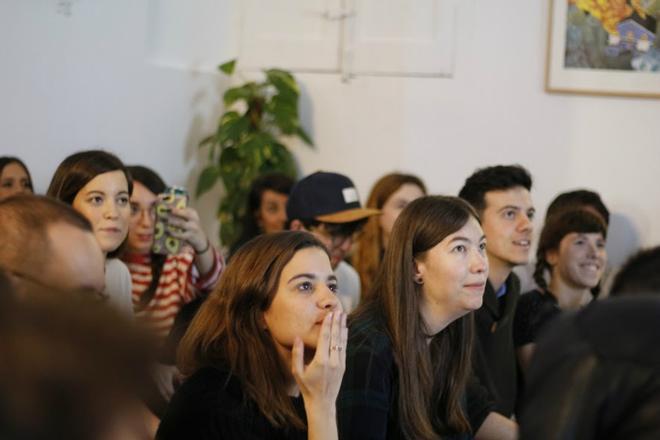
(207, 179)
(228, 67)
(282, 160)
(283, 81)
(245, 92)
(302, 134)
(232, 129)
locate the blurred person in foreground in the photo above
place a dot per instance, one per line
(63, 375)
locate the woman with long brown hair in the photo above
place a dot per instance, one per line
(390, 194)
(408, 361)
(271, 332)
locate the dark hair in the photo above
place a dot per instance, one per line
(580, 198)
(147, 177)
(228, 328)
(277, 182)
(556, 228)
(28, 217)
(640, 274)
(495, 178)
(77, 170)
(154, 183)
(366, 259)
(6, 160)
(432, 378)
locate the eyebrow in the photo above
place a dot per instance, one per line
(310, 276)
(96, 191)
(516, 208)
(460, 238)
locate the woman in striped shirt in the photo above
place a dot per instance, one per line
(167, 289)
(162, 284)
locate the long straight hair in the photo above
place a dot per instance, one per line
(432, 377)
(78, 170)
(229, 328)
(370, 246)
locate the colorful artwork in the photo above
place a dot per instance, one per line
(605, 46)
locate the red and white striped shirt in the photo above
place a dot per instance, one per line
(179, 284)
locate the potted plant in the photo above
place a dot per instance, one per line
(247, 142)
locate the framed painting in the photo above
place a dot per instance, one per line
(604, 47)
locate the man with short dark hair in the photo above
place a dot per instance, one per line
(328, 206)
(48, 243)
(501, 196)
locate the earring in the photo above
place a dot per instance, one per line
(418, 280)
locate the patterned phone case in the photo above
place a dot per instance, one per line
(164, 243)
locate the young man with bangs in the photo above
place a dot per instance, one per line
(327, 205)
(501, 196)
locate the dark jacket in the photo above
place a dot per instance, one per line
(596, 374)
(495, 359)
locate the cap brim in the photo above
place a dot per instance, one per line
(350, 215)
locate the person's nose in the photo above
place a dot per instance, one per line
(525, 223)
(146, 218)
(111, 211)
(592, 250)
(328, 299)
(478, 262)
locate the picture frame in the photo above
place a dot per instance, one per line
(619, 56)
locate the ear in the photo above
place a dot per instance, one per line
(419, 271)
(263, 323)
(297, 225)
(552, 257)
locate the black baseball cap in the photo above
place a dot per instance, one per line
(326, 197)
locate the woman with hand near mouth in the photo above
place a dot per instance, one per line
(572, 251)
(97, 184)
(265, 354)
(408, 367)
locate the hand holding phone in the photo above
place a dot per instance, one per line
(165, 241)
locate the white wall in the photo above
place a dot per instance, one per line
(104, 77)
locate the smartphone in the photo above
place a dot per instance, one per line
(164, 242)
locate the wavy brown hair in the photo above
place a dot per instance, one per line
(229, 327)
(370, 246)
(432, 377)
